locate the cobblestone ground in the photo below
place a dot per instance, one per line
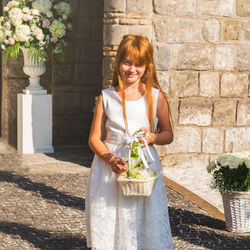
(46, 211)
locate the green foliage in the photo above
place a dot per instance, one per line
(12, 51)
(37, 54)
(135, 164)
(228, 176)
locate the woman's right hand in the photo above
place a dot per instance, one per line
(118, 165)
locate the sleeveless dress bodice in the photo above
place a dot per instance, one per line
(136, 112)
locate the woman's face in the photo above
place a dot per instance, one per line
(130, 71)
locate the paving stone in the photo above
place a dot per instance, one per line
(46, 210)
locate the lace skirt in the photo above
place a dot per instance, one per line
(118, 222)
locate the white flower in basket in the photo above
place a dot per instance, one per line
(138, 179)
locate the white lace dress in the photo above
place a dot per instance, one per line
(115, 221)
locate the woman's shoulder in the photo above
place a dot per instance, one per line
(106, 90)
(155, 92)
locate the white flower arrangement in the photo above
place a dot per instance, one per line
(231, 172)
(40, 25)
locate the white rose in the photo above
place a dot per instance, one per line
(49, 14)
(35, 12)
(2, 36)
(8, 32)
(22, 33)
(57, 29)
(42, 5)
(3, 47)
(16, 16)
(39, 34)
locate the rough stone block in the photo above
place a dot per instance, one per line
(243, 8)
(234, 85)
(216, 7)
(243, 57)
(174, 107)
(145, 30)
(184, 83)
(115, 5)
(186, 8)
(231, 29)
(224, 57)
(212, 140)
(184, 161)
(243, 113)
(163, 78)
(195, 111)
(237, 139)
(198, 57)
(138, 6)
(224, 112)
(211, 30)
(186, 140)
(160, 28)
(182, 30)
(113, 34)
(246, 29)
(108, 67)
(209, 84)
(162, 57)
(164, 7)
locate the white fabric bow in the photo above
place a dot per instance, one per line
(130, 141)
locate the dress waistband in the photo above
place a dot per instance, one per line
(116, 138)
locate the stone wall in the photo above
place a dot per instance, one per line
(78, 81)
(202, 55)
(73, 84)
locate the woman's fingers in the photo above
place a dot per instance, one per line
(144, 129)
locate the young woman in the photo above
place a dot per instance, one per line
(135, 101)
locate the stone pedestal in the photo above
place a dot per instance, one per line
(34, 124)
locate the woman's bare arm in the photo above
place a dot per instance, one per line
(166, 135)
(118, 165)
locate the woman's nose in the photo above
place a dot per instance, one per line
(132, 67)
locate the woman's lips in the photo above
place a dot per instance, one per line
(131, 75)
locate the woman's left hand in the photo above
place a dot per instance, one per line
(148, 137)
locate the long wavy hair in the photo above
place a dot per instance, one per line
(141, 50)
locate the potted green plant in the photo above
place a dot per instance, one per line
(231, 177)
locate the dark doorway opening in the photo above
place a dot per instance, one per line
(1, 13)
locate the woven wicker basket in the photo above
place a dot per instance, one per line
(237, 211)
(137, 187)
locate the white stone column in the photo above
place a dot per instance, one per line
(34, 123)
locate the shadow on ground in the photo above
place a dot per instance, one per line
(43, 239)
(82, 155)
(47, 192)
(204, 231)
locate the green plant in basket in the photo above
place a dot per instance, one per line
(138, 169)
(231, 172)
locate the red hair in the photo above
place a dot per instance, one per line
(141, 50)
